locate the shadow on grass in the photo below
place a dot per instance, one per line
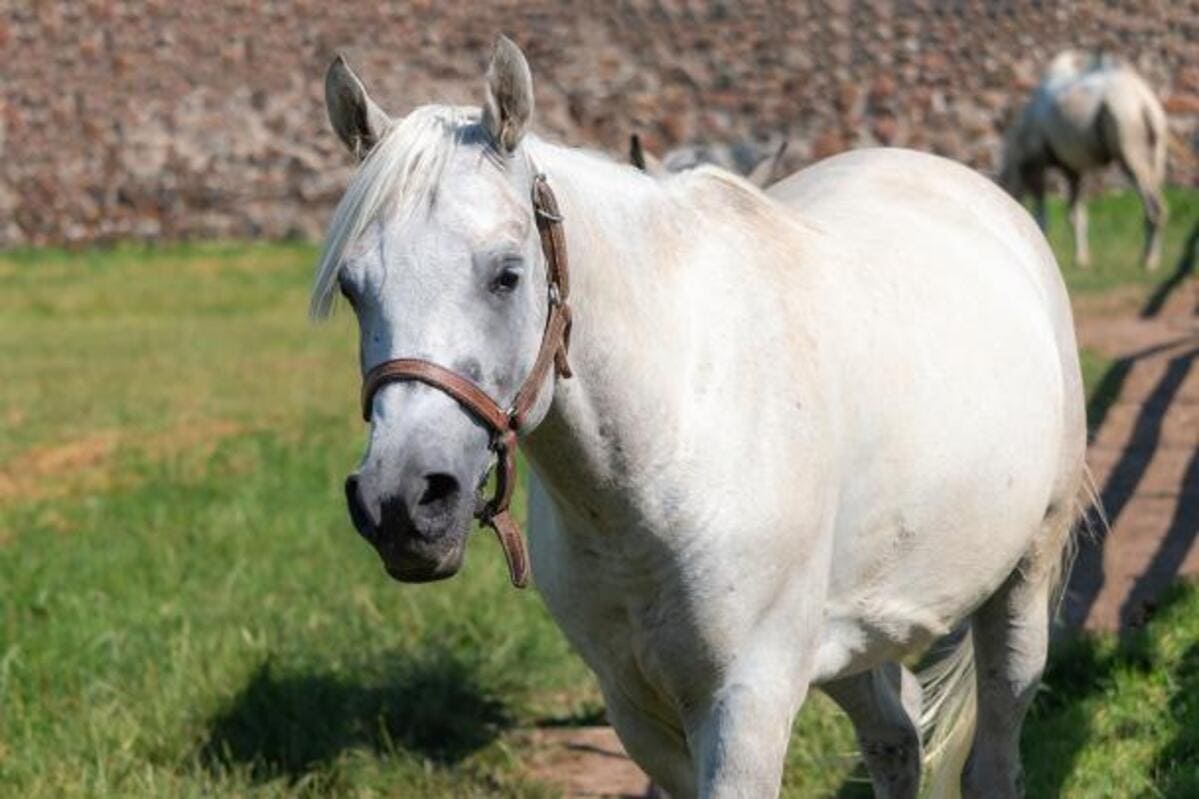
(1083, 670)
(591, 716)
(293, 725)
(1175, 773)
(857, 784)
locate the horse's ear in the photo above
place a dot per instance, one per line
(642, 158)
(636, 153)
(509, 103)
(768, 169)
(359, 123)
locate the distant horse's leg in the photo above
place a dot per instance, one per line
(1011, 639)
(1155, 217)
(1078, 219)
(1034, 181)
(884, 705)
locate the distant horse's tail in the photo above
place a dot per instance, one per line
(950, 702)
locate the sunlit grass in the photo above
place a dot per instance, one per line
(1116, 238)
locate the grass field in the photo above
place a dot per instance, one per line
(186, 611)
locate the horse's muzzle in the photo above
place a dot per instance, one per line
(420, 535)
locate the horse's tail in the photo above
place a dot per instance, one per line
(1089, 521)
(947, 717)
(950, 702)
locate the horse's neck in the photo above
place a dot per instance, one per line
(629, 339)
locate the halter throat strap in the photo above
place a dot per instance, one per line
(504, 424)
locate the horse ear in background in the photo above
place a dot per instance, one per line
(508, 106)
(642, 159)
(358, 121)
(770, 169)
(735, 158)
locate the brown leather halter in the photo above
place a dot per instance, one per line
(504, 424)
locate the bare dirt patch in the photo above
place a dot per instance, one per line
(585, 762)
(88, 462)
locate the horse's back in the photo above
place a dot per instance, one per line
(1099, 115)
(884, 193)
(959, 402)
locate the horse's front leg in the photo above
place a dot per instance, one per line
(1078, 219)
(741, 736)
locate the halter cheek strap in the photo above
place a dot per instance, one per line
(504, 424)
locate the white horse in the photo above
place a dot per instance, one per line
(808, 432)
(1087, 112)
(760, 162)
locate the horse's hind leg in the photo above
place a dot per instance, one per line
(1148, 182)
(1155, 215)
(884, 706)
(1011, 639)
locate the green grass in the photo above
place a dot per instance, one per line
(1117, 237)
(185, 610)
(1121, 718)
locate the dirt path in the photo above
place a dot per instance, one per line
(586, 762)
(1145, 459)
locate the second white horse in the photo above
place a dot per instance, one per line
(1088, 112)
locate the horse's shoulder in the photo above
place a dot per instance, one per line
(715, 192)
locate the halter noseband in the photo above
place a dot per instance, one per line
(504, 424)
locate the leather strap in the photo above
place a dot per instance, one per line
(470, 396)
(504, 425)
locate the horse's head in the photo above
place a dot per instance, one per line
(1022, 156)
(1009, 176)
(435, 246)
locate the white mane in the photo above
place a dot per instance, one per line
(399, 174)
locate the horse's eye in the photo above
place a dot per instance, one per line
(506, 280)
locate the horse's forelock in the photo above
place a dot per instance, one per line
(399, 175)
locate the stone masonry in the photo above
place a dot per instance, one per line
(159, 119)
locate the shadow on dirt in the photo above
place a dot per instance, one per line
(1087, 578)
(1185, 267)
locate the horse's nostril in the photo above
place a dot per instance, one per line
(439, 489)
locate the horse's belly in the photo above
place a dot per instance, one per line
(937, 513)
(1071, 125)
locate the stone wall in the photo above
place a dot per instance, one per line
(157, 119)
